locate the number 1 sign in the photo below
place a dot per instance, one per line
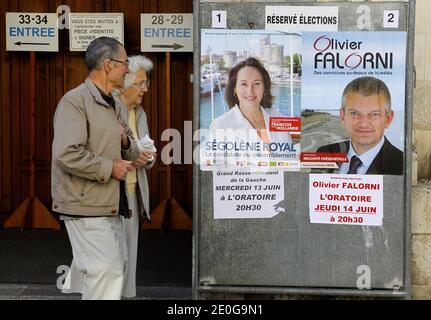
(219, 19)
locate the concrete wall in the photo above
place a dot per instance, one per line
(421, 159)
(421, 193)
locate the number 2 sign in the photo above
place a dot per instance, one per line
(390, 18)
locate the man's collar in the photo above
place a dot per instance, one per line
(108, 98)
(96, 92)
(368, 156)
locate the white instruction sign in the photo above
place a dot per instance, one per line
(301, 18)
(167, 32)
(30, 31)
(346, 199)
(241, 194)
(85, 27)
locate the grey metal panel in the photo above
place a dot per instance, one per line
(241, 14)
(287, 253)
(196, 184)
(410, 84)
(288, 250)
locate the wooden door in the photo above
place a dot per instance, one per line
(57, 73)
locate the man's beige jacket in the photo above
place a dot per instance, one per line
(86, 141)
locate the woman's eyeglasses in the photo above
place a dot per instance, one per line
(144, 84)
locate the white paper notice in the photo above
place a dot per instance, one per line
(242, 194)
(85, 27)
(301, 18)
(346, 199)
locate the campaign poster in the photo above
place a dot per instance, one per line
(346, 199)
(250, 99)
(353, 102)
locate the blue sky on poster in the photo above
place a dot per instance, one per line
(324, 91)
(221, 40)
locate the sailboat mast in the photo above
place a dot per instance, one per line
(212, 85)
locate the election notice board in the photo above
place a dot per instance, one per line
(298, 18)
(31, 31)
(167, 32)
(85, 27)
(354, 227)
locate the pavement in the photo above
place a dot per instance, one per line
(15, 291)
(33, 261)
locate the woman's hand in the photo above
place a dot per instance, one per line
(125, 144)
(145, 158)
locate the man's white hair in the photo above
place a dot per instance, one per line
(136, 63)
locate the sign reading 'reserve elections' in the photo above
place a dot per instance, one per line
(167, 32)
(30, 31)
(85, 27)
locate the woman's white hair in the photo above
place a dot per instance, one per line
(136, 63)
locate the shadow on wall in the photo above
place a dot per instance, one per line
(422, 145)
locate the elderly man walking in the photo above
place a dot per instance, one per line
(92, 152)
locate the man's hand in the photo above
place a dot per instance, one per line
(125, 143)
(144, 158)
(120, 169)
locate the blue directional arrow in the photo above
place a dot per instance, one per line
(31, 43)
(174, 46)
